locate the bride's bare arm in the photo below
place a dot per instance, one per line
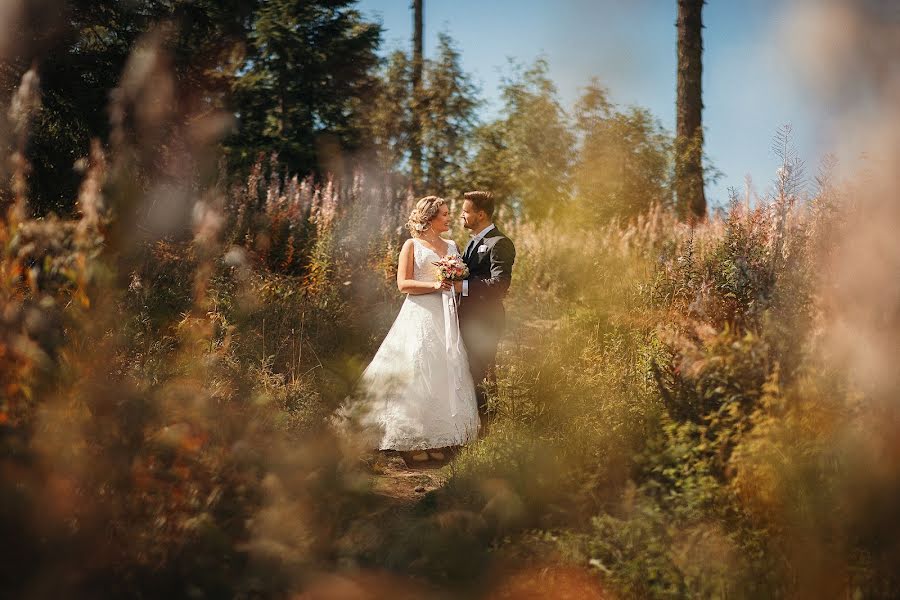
(405, 272)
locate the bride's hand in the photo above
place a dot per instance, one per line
(443, 284)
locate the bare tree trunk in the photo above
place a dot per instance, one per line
(689, 106)
(416, 125)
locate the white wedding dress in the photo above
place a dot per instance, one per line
(417, 393)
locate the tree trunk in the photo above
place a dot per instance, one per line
(689, 106)
(417, 100)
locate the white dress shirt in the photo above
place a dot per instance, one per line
(478, 237)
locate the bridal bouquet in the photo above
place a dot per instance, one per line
(452, 268)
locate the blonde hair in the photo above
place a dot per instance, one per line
(425, 210)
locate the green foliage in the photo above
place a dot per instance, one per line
(307, 62)
(302, 80)
(387, 117)
(449, 118)
(698, 436)
(81, 48)
(623, 167)
(446, 114)
(524, 157)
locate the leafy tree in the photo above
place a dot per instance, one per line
(624, 160)
(525, 156)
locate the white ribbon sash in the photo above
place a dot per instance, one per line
(453, 344)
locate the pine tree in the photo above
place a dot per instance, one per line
(449, 119)
(387, 116)
(80, 48)
(309, 61)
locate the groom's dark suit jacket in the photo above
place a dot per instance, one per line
(481, 313)
(490, 264)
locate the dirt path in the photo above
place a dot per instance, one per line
(404, 484)
(398, 522)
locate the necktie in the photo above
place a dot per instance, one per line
(469, 247)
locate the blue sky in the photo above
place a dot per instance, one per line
(749, 88)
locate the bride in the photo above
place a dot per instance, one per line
(417, 394)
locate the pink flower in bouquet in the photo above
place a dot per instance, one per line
(452, 268)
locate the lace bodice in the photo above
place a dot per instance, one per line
(424, 260)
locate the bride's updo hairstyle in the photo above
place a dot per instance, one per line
(426, 209)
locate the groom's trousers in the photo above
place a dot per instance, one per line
(481, 325)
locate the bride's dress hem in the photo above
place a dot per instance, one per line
(430, 444)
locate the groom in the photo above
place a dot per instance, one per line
(489, 256)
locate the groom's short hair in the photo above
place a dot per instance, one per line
(482, 201)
